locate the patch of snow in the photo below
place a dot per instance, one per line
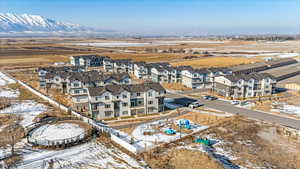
(140, 44)
(288, 109)
(59, 131)
(88, 155)
(4, 80)
(151, 140)
(288, 55)
(9, 93)
(28, 110)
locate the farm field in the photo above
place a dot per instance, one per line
(24, 52)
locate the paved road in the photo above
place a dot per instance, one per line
(267, 117)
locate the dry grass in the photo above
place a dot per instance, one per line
(214, 62)
(185, 159)
(259, 151)
(24, 93)
(200, 118)
(175, 86)
(8, 119)
(181, 159)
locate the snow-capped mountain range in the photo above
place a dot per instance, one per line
(34, 23)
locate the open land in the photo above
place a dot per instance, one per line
(236, 142)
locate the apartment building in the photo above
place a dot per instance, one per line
(141, 70)
(87, 60)
(108, 64)
(125, 100)
(123, 65)
(196, 78)
(245, 86)
(53, 70)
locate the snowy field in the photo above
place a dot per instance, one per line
(88, 155)
(4, 80)
(287, 109)
(9, 93)
(28, 110)
(151, 140)
(141, 44)
(59, 131)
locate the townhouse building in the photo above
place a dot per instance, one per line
(125, 100)
(87, 60)
(123, 65)
(141, 70)
(108, 65)
(245, 86)
(44, 70)
(196, 78)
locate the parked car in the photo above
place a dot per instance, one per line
(207, 97)
(235, 102)
(195, 105)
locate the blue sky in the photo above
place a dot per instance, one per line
(169, 16)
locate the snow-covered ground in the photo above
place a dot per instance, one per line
(151, 140)
(225, 157)
(88, 155)
(4, 80)
(28, 110)
(57, 131)
(140, 44)
(287, 109)
(6, 92)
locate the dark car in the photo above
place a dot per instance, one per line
(210, 98)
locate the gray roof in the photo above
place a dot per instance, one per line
(255, 76)
(117, 89)
(281, 61)
(249, 66)
(89, 56)
(62, 68)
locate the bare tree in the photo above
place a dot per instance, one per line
(11, 135)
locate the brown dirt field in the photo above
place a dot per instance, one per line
(182, 159)
(214, 62)
(175, 86)
(267, 149)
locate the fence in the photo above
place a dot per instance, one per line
(58, 142)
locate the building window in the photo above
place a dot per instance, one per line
(138, 94)
(107, 113)
(124, 96)
(125, 104)
(76, 84)
(140, 102)
(107, 106)
(150, 102)
(76, 91)
(106, 97)
(150, 94)
(125, 112)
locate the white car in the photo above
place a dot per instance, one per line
(195, 104)
(235, 102)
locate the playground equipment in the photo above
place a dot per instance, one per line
(184, 123)
(170, 131)
(205, 141)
